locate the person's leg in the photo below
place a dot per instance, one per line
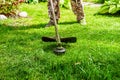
(77, 8)
(57, 12)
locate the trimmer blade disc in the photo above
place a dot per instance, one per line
(59, 50)
(66, 40)
(48, 39)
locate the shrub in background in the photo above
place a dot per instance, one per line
(111, 7)
(9, 7)
(100, 1)
(96, 1)
(42, 0)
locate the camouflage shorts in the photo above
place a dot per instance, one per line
(77, 8)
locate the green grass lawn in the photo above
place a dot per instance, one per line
(95, 55)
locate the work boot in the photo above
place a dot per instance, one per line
(50, 23)
(82, 22)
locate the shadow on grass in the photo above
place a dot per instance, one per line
(68, 23)
(23, 39)
(83, 33)
(108, 14)
(41, 25)
(49, 47)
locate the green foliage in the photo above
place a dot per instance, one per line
(9, 7)
(112, 7)
(95, 1)
(32, 1)
(100, 1)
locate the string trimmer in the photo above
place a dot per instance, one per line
(59, 48)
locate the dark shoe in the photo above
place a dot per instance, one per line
(49, 24)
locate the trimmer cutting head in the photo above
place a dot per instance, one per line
(66, 40)
(59, 50)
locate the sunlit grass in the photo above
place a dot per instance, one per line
(95, 55)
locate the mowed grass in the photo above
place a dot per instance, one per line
(95, 55)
